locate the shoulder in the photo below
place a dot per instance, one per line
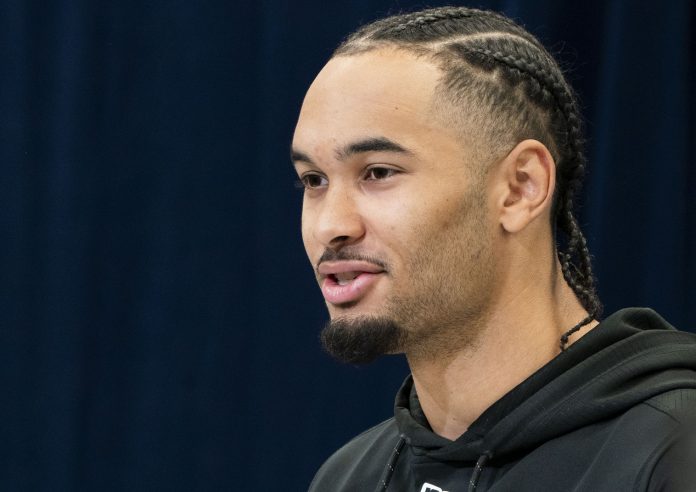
(359, 464)
(673, 469)
(679, 404)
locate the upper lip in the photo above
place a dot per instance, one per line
(333, 267)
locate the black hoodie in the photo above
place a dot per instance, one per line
(609, 414)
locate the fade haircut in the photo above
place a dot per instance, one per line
(502, 84)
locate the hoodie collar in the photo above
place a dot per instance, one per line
(628, 358)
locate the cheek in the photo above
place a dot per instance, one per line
(437, 229)
(400, 230)
(419, 215)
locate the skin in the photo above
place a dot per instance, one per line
(471, 271)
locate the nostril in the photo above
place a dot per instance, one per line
(340, 239)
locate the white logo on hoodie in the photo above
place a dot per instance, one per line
(428, 487)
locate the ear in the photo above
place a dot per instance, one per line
(526, 181)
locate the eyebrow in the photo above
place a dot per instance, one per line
(374, 144)
(297, 156)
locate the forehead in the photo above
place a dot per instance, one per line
(385, 92)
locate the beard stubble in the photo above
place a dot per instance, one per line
(443, 312)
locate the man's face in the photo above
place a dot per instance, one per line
(394, 221)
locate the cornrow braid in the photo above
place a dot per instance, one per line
(421, 20)
(402, 22)
(490, 62)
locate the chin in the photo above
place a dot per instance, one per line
(361, 338)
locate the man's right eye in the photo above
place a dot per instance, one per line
(311, 181)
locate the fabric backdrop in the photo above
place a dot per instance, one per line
(158, 317)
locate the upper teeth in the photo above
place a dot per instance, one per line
(345, 277)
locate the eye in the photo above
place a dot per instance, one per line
(379, 173)
(311, 181)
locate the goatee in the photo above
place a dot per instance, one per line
(361, 339)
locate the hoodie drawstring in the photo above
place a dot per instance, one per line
(477, 470)
(391, 465)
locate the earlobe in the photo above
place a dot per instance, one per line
(528, 180)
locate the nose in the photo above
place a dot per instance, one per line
(338, 221)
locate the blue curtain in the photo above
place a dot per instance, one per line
(158, 316)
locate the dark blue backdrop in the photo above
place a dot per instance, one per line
(158, 318)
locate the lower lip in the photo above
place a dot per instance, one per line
(350, 292)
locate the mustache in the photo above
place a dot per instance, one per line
(347, 255)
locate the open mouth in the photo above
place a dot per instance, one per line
(347, 281)
(344, 278)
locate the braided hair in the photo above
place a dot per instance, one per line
(491, 63)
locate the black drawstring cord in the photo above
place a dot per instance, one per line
(391, 464)
(477, 470)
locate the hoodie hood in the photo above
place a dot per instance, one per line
(628, 358)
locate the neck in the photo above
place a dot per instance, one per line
(516, 338)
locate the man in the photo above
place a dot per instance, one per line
(440, 153)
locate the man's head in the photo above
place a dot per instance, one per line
(424, 144)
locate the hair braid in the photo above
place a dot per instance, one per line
(429, 18)
(490, 61)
